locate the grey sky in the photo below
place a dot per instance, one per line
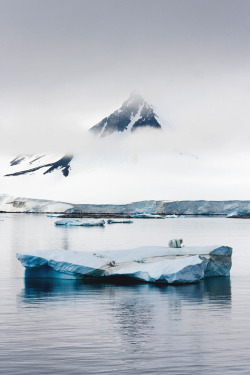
(91, 54)
(67, 64)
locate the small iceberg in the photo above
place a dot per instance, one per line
(151, 264)
(53, 215)
(111, 221)
(239, 215)
(80, 223)
(147, 216)
(174, 216)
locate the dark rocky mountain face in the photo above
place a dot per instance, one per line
(134, 113)
(27, 164)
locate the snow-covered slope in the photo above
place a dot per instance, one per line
(28, 164)
(134, 113)
(16, 204)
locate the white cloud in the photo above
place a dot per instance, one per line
(193, 66)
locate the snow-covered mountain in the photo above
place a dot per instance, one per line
(28, 164)
(134, 113)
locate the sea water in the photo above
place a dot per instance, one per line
(67, 327)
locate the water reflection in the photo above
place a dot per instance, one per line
(44, 290)
(151, 310)
(212, 290)
(132, 322)
(65, 239)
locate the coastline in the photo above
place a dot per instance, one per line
(232, 208)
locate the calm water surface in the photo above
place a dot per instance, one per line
(67, 327)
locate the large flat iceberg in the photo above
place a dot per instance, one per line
(154, 264)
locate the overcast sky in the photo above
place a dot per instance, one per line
(67, 64)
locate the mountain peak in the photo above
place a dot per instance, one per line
(134, 113)
(135, 96)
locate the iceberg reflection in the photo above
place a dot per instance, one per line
(213, 290)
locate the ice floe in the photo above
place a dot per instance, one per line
(80, 223)
(155, 264)
(112, 221)
(149, 216)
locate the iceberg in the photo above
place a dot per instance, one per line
(111, 221)
(80, 223)
(152, 264)
(174, 216)
(147, 216)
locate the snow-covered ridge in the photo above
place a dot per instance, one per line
(28, 164)
(134, 113)
(148, 264)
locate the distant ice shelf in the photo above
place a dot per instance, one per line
(142, 209)
(153, 264)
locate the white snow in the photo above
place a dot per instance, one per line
(32, 161)
(17, 204)
(150, 263)
(103, 129)
(163, 269)
(135, 118)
